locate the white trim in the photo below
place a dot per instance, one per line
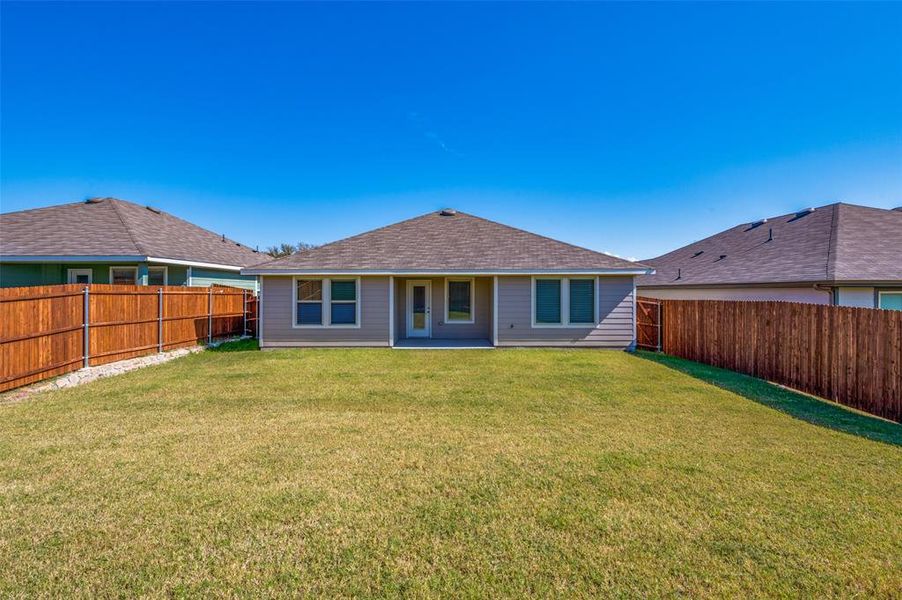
(472, 318)
(259, 313)
(117, 258)
(635, 336)
(165, 273)
(190, 276)
(495, 310)
(565, 305)
(135, 269)
(76, 272)
(391, 311)
(193, 263)
(880, 294)
(409, 308)
(326, 312)
(432, 273)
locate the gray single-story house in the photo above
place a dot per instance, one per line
(448, 279)
(105, 240)
(840, 254)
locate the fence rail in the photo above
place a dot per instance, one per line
(852, 356)
(46, 331)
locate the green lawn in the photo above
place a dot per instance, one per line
(463, 473)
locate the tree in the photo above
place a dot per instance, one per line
(288, 249)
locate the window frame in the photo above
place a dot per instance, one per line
(326, 322)
(133, 269)
(881, 293)
(472, 319)
(165, 270)
(565, 303)
(76, 272)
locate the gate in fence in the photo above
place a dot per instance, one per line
(648, 324)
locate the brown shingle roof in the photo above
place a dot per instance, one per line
(111, 227)
(457, 242)
(837, 242)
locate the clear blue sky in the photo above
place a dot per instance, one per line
(627, 128)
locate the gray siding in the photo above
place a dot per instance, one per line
(481, 328)
(615, 328)
(278, 317)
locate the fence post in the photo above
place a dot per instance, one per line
(160, 323)
(244, 312)
(87, 319)
(210, 316)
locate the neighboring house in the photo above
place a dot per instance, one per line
(105, 240)
(836, 254)
(448, 278)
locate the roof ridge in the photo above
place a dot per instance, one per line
(113, 202)
(512, 228)
(350, 237)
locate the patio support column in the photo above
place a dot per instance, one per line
(391, 311)
(495, 310)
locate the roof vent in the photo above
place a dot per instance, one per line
(758, 223)
(898, 208)
(699, 253)
(801, 213)
(154, 210)
(447, 212)
(93, 200)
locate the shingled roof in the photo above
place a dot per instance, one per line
(107, 227)
(834, 243)
(446, 241)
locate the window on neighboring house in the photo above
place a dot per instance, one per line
(582, 301)
(343, 301)
(124, 275)
(548, 301)
(157, 275)
(80, 275)
(309, 302)
(459, 301)
(564, 302)
(890, 300)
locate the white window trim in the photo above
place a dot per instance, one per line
(72, 274)
(158, 267)
(135, 269)
(565, 305)
(472, 318)
(327, 303)
(880, 295)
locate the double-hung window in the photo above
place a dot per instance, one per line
(563, 301)
(343, 309)
(326, 303)
(124, 275)
(459, 300)
(157, 275)
(890, 300)
(309, 302)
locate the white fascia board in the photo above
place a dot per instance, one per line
(431, 273)
(193, 263)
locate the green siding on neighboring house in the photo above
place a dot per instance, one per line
(205, 277)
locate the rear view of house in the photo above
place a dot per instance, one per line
(448, 278)
(839, 254)
(105, 240)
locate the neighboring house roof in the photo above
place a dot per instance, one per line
(834, 243)
(446, 241)
(107, 227)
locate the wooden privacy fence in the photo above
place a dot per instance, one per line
(852, 356)
(46, 331)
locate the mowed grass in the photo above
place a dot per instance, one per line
(436, 473)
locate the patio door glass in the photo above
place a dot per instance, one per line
(418, 315)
